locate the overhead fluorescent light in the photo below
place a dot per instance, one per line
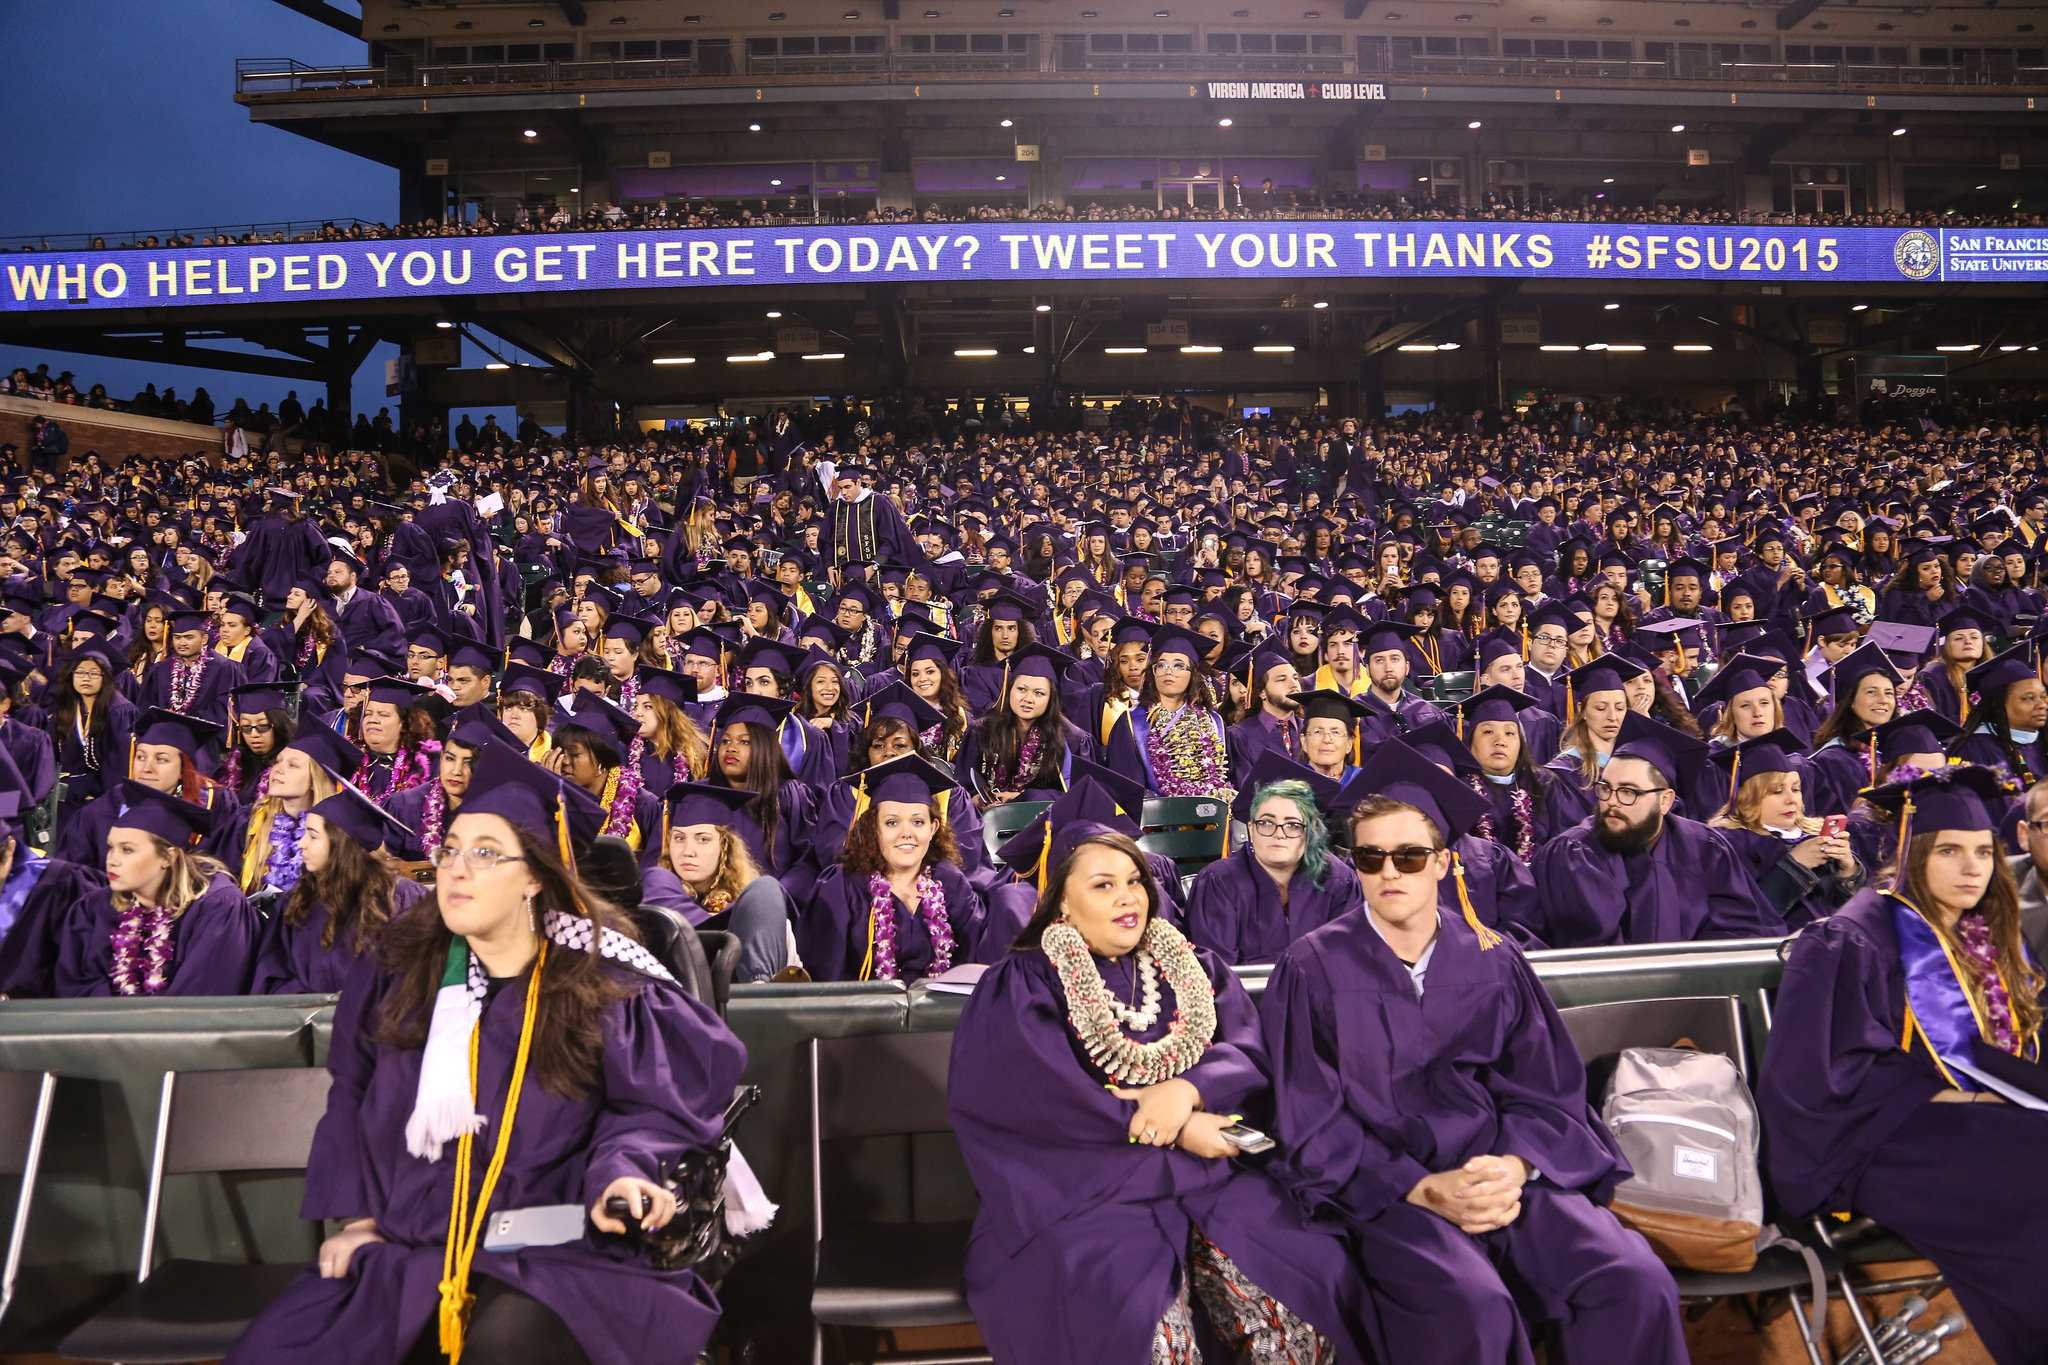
(496, 365)
(1678, 127)
(826, 355)
(1200, 350)
(1957, 347)
(753, 127)
(1321, 304)
(774, 312)
(1596, 345)
(1041, 308)
(1609, 307)
(1123, 350)
(1556, 346)
(1858, 307)
(1626, 346)
(1030, 350)
(1009, 123)
(529, 132)
(444, 324)
(754, 358)
(1447, 345)
(974, 352)
(1899, 131)
(2014, 346)
(1420, 347)
(1474, 125)
(1276, 349)
(675, 360)
(1692, 346)
(1224, 122)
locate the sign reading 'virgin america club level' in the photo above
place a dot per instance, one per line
(1297, 90)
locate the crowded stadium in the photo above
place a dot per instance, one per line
(1066, 682)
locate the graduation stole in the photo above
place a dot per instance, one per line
(1938, 1008)
(853, 525)
(1325, 677)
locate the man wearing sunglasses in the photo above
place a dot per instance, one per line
(1430, 1100)
(1637, 871)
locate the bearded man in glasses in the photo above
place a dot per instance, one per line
(1638, 872)
(1429, 1100)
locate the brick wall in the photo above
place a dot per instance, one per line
(115, 435)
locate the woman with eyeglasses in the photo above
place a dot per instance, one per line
(1903, 1023)
(1174, 738)
(1431, 1105)
(511, 1048)
(1284, 881)
(1097, 1068)
(91, 721)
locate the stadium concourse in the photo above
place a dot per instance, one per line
(1359, 689)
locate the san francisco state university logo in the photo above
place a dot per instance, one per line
(1916, 254)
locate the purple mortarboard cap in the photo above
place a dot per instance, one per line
(670, 686)
(1043, 661)
(1608, 673)
(253, 699)
(1915, 732)
(183, 620)
(746, 709)
(899, 702)
(1833, 621)
(1008, 606)
(1377, 637)
(530, 652)
(908, 779)
(1129, 794)
(477, 726)
(1776, 752)
(360, 818)
(1085, 809)
(1743, 673)
(1964, 797)
(605, 719)
(1673, 754)
(1494, 703)
(190, 733)
(702, 803)
(1496, 647)
(1400, 773)
(2016, 665)
(178, 823)
(526, 678)
(398, 692)
(773, 655)
(1441, 745)
(1179, 640)
(329, 748)
(473, 655)
(1858, 664)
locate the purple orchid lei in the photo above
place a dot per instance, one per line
(285, 864)
(142, 950)
(931, 908)
(185, 680)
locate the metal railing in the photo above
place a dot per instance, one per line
(311, 229)
(259, 78)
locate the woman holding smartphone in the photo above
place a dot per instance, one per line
(1097, 1069)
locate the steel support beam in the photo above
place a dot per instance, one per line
(341, 21)
(1796, 11)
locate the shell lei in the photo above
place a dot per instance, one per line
(142, 951)
(931, 908)
(1093, 1014)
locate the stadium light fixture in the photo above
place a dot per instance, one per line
(675, 360)
(2011, 346)
(1607, 180)
(1982, 187)
(1276, 349)
(444, 324)
(1678, 127)
(2032, 349)
(1626, 346)
(1224, 122)
(753, 127)
(1030, 350)
(973, 352)
(1123, 350)
(1009, 123)
(1899, 131)
(496, 365)
(776, 184)
(529, 132)
(826, 355)
(1859, 307)
(1475, 125)
(1596, 345)
(1320, 304)
(1956, 348)
(1419, 347)
(1001, 178)
(1692, 346)
(754, 358)
(1610, 307)
(1198, 349)
(774, 312)
(1041, 308)
(1557, 346)
(1447, 345)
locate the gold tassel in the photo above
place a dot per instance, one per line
(1488, 939)
(1044, 857)
(1905, 825)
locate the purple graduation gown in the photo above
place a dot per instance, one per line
(834, 818)
(1555, 811)
(1011, 905)
(293, 960)
(1800, 895)
(1500, 886)
(1689, 885)
(832, 926)
(209, 702)
(1376, 1089)
(1849, 1123)
(1081, 1237)
(666, 1075)
(1834, 774)
(213, 946)
(34, 936)
(1234, 908)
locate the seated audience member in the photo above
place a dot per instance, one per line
(2030, 870)
(672, 748)
(1024, 747)
(1523, 806)
(92, 722)
(422, 813)
(1595, 704)
(591, 749)
(1804, 873)
(2008, 711)
(36, 893)
(161, 757)
(169, 921)
(262, 842)
(1095, 1069)
(340, 904)
(1844, 760)
(708, 876)
(1866, 1101)
(1175, 738)
(1283, 881)
(526, 700)
(1431, 1104)
(1331, 743)
(1488, 884)
(1636, 872)
(896, 906)
(777, 823)
(601, 1065)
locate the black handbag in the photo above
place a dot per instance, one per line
(696, 1239)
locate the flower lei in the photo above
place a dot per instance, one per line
(1525, 817)
(1982, 954)
(185, 680)
(931, 908)
(1184, 754)
(142, 950)
(285, 865)
(629, 690)
(433, 816)
(622, 791)
(410, 766)
(306, 646)
(1091, 1011)
(1025, 768)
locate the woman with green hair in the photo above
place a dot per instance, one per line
(1282, 882)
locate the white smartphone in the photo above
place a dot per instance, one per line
(1247, 1139)
(544, 1226)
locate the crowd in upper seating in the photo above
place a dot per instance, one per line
(890, 692)
(1238, 203)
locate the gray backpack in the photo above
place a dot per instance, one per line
(1688, 1126)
